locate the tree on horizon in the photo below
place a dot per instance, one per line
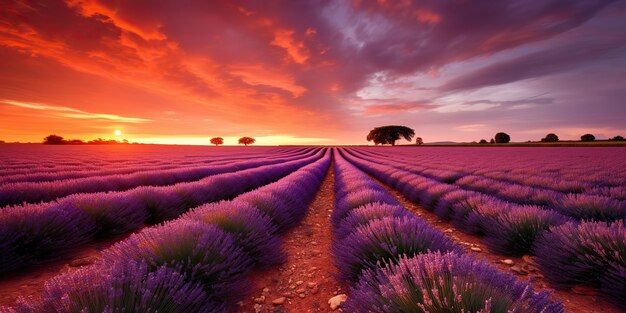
(587, 137)
(217, 141)
(502, 138)
(246, 141)
(390, 134)
(419, 141)
(53, 140)
(550, 138)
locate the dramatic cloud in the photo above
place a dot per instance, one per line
(322, 71)
(73, 113)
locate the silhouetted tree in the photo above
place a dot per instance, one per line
(246, 140)
(492, 141)
(482, 141)
(54, 140)
(75, 142)
(550, 138)
(616, 138)
(217, 141)
(390, 134)
(587, 137)
(502, 138)
(419, 141)
(2, 141)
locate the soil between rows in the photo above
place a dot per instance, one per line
(306, 280)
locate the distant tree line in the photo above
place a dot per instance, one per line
(551, 137)
(58, 140)
(391, 134)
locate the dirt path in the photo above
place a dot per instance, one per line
(582, 300)
(305, 282)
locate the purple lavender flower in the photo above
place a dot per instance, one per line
(31, 233)
(203, 253)
(126, 287)
(357, 199)
(582, 254)
(446, 203)
(592, 207)
(468, 214)
(385, 240)
(271, 205)
(366, 213)
(513, 232)
(113, 213)
(253, 231)
(436, 282)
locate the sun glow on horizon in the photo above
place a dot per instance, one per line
(117, 132)
(232, 140)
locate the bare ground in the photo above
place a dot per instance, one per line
(306, 280)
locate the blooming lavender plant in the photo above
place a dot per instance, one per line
(32, 233)
(447, 201)
(366, 213)
(357, 199)
(203, 253)
(385, 240)
(271, 205)
(253, 231)
(125, 287)
(513, 232)
(589, 253)
(468, 214)
(437, 282)
(592, 207)
(113, 213)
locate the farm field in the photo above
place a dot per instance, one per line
(149, 228)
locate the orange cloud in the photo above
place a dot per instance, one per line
(296, 49)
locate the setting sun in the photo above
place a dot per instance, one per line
(117, 132)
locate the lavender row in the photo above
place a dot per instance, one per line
(508, 228)
(17, 193)
(567, 251)
(590, 253)
(577, 206)
(59, 159)
(396, 262)
(564, 170)
(32, 233)
(197, 263)
(119, 169)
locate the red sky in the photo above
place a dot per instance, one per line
(320, 72)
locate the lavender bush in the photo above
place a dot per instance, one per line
(514, 232)
(203, 253)
(592, 207)
(253, 231)
(357, 199)
(366, 213)
(30, 233)
(125, 287)
(589, 253)
(448, 282)
(113, 213)
(385, 240)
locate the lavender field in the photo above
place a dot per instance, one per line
(389, 229)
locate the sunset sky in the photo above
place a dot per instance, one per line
(311, 72)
